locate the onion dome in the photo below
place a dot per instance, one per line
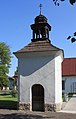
(40, 19)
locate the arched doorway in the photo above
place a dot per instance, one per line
(37, 97)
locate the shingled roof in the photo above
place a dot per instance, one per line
(69, 67)
(44, 45)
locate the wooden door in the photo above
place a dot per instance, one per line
(37, 98)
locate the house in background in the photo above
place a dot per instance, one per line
(11, 83)
(69, 75)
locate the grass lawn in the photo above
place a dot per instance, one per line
(7, 101)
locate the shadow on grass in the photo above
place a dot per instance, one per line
(3, 94)
(7, 104)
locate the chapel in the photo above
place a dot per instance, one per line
(39, 70)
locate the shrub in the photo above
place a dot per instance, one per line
(14, 93)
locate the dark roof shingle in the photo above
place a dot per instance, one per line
(38, 46)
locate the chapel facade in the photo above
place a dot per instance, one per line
(39, 70)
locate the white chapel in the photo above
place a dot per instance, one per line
(39, 70)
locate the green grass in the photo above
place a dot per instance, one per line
(7, 101)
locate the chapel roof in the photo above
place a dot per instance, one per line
(69, 67)
(40, 19)
(38, 46)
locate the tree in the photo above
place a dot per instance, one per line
(73, 37)
(4, 82)
(56, 2)
(5, 59)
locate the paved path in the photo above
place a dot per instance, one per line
(70, 105)
(17, 114)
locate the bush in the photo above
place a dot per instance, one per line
(14, 93)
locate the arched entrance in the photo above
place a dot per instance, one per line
(37, 97)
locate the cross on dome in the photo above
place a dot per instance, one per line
(40, 8)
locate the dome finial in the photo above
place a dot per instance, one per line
(40, 8)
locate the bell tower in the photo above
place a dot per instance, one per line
(40, 28)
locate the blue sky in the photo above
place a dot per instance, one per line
(16, 16)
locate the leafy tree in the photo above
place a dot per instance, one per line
(5, 59)
(5, 82)
(73, 37)
(1, 82)
(56, 2)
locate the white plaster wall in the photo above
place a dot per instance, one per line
(69, 83)
(58, 79)
(37, 70)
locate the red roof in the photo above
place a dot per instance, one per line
(69, 67)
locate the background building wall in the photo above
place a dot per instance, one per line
(70, 84)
